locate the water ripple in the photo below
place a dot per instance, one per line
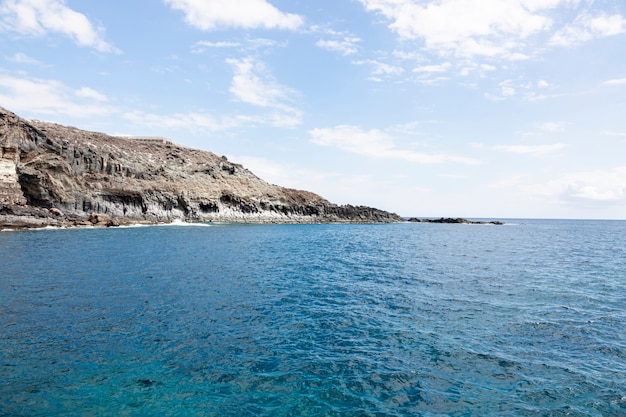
(317, 320)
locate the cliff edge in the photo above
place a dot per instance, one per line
(58, 175)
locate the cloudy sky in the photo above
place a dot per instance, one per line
(472, 108)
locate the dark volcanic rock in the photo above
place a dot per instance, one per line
(49, 166)
(457, 220)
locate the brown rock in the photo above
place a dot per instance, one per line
(55, 211)
(99, 218)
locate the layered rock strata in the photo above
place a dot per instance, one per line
(64, 174)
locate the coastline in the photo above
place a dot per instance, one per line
(15, 218)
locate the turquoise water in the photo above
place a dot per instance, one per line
(526, 319)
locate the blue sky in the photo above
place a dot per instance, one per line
(472, 108)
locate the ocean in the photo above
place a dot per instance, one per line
(410, 319)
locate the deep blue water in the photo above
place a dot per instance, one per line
(526, 319)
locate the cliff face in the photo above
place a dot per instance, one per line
(48, 166)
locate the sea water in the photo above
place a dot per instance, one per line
(525, 319)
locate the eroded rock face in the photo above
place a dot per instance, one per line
(46, 165)
(10, 190)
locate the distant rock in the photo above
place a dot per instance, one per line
(61, 169)
(457, 220)
(56, 212)
(99, 218)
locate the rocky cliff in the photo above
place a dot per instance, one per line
(59, 174)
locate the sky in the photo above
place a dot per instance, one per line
(426, 108)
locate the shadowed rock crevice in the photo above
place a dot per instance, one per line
(49, 166)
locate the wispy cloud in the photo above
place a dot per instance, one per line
(617, 81)
(51, 97)
(253, 84)
(42, 17)
(553, 126)
(532, 150)
(507, 89)
(543, 84)
(376, 143)
(433, 68)
(22, 58)
(346, 46)
(342, 42)
(247, 44)
(202, 46)
(193, 121)
(248, 14)
(601, 186)
(90, 93)
(380, 70)
(587, 27)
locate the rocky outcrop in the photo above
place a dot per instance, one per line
(455, 220)
(77, 173)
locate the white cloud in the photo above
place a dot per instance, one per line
(380, 69)
(253, 84)
(376, 143)
(41, 17)
(87, 92)
(194, 121)
(507, 89)
(249, 44)
(433, 68)
(209, 44)
(346, 46)
(543, 84)
(51, 97)
(619, 81)
(503, 29)
(342, 42)
(467, 28)
(533, 150)
(200, 122)
(603, 186)
(200, 47)
(553, 126)
(22, 58)
(586, 28)
(256, 43)
(248, 14)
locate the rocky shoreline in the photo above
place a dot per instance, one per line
(27, 217)
(451, 220)
(54, 175)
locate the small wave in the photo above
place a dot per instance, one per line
(181, 222)
(175, 222)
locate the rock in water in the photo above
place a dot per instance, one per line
(46, 165)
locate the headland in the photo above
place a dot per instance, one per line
(54, 175)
